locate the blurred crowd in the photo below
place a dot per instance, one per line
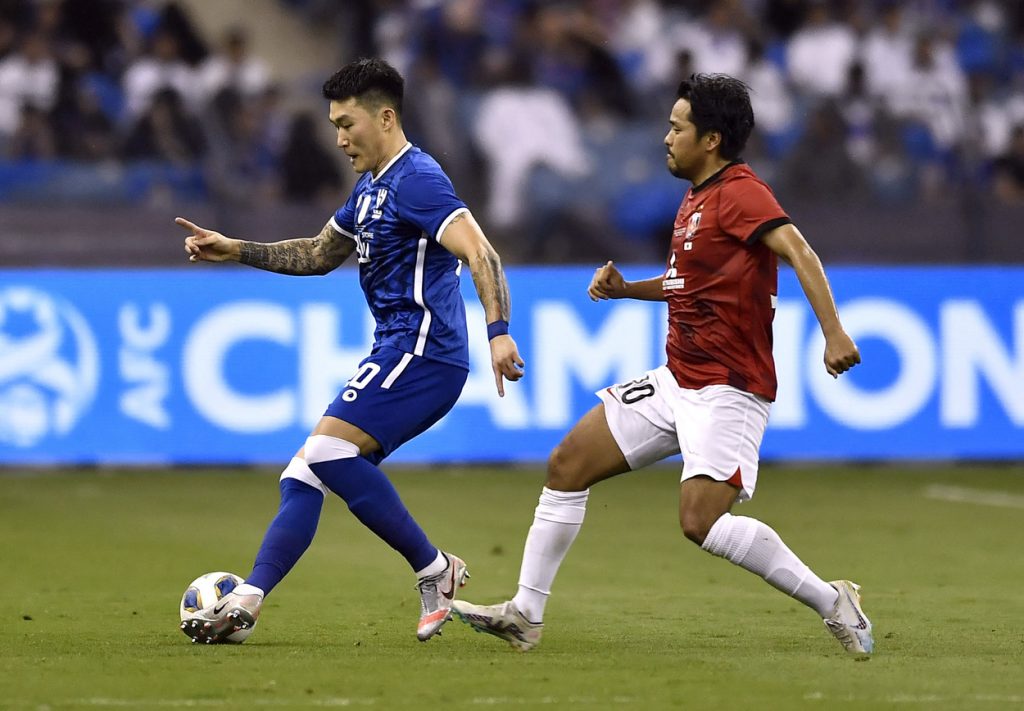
(134, 90)
(550, 114)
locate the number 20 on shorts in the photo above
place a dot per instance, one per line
(360, 380)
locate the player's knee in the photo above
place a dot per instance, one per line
(695, 527)
(564, 470)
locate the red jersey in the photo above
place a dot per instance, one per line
(722, 282)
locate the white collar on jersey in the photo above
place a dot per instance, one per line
(405, 149)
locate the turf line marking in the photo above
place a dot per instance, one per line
(330, 701)
(918, 698)
(982, 497)
(550, 701)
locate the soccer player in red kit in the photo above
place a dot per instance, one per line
(711, 401)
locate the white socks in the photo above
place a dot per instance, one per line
(754, 546)
(744, 541)
(439, 565)
(247, 589)
(556, 521)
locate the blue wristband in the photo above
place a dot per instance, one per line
(497, 328)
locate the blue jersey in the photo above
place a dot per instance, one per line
(410, 281)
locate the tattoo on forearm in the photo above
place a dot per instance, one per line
(491, 286)
(301, 257)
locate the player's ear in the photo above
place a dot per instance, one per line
(388, 118)
(712, 140)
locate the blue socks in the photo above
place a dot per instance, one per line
(369, 495)
(289, 534)
(374, 501)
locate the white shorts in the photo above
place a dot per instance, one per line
(718, 429)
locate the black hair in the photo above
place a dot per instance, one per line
(720, 103)
(373, 82)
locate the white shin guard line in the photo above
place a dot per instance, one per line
(298, 469)
(318, 448)
(756, 547)
(324, 448)
(556, 521)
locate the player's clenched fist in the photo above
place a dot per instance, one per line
(207, 245)
(841, 353)
(607, 283)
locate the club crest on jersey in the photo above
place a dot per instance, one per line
(378, 204)
(691, 229)
(692, 225)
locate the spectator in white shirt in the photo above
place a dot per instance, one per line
(989, 118)
(520, 126)
(29, 77)
(769, 95)
(716, 43)
(819, 54)
(934, 93)
(163, 68)
(887, 52)
(639, 40)
(233, 68)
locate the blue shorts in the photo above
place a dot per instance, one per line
(395, 396)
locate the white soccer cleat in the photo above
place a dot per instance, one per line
(848, 622)
(230, 614)
(503, 620)
(436, 595)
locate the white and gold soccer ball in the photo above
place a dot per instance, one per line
(202, 595)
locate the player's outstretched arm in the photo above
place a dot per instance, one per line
(464, 238)
(841, 352)
(607, 283)
(302, 257)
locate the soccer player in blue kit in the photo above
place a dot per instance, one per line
(411, 235)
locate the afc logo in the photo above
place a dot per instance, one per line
(49, 366)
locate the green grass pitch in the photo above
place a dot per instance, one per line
(94, 563)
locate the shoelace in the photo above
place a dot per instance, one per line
(427, 586)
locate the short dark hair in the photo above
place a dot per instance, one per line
(720, 103)
(370, 81)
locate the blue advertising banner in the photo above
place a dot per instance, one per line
(230, 365)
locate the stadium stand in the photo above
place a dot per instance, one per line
(874, 109)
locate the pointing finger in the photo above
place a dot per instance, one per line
(189, 225)
(498, 381)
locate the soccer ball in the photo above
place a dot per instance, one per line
(204, 592)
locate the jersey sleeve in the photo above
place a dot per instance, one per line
(344, 219)
(748, 209)
(428, 201)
